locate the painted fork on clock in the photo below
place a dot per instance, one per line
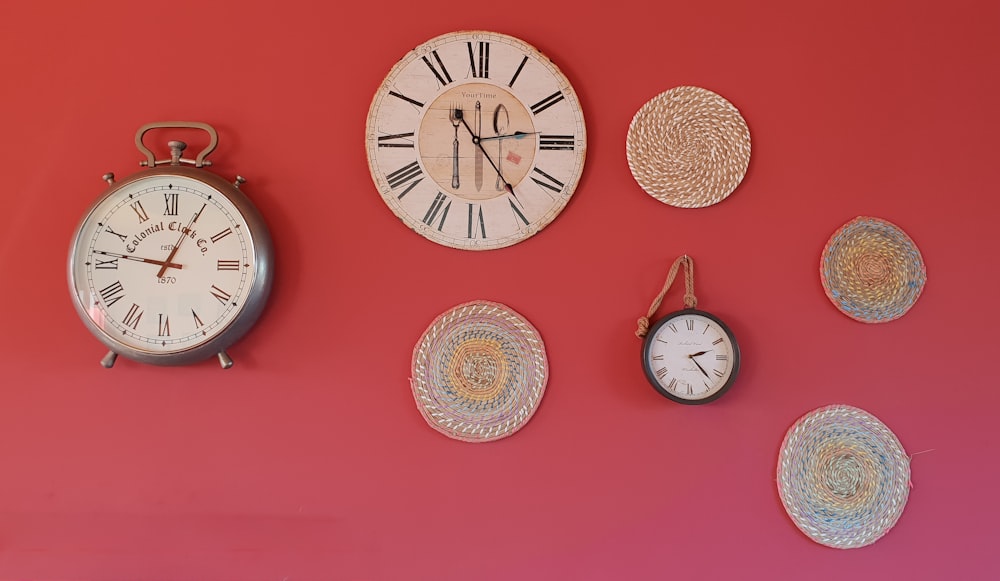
(455, 120)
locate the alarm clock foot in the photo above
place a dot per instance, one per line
(108, 361)
(224, 360)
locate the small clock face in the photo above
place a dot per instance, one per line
(164, 264)
(691, 357)
(476, 140)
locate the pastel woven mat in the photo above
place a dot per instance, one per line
(843, 476)
(479, 372)
(688, 147)
(872, 271)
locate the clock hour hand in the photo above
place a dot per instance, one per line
(700, 368)
(698, 354)
(457, 114)
(515, 135)
(139, 259)
(183, 235)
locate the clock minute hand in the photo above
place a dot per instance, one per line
(476, 141)
(515, 135)
(702, 369)
(140, 259)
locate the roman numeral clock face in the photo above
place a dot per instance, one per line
(165, 265)
(476, 140)
(691, 357)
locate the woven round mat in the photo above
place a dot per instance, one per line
(479, 372)
(688, 147)
(843, 476)
(872, 271)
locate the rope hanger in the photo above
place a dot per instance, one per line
(690, 301)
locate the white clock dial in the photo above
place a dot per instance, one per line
(476, 140)
(691, 356)
(166, 264)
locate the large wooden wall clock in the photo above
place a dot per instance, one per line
(476, 140)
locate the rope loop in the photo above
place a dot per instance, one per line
(690, 300)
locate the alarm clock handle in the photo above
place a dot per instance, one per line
(199, 161)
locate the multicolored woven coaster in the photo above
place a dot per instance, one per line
(688, 147)
(843, 476)
(479, 372)
(872, 271)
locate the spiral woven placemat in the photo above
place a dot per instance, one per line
(843, 476)
(688, 147)
(479, 372)
(871, 270)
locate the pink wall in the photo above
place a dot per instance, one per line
(309, 460)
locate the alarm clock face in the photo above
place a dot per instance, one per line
(691, 357)
(476, 140)
(165, 263)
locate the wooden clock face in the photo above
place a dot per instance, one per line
(476, 140)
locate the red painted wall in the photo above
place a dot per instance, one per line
(309, 460)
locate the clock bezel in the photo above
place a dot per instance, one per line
(258, 236)
(651, 375)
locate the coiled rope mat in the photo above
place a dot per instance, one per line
(688, 147)
(872, 271)
(479, 372)
(842, 476)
